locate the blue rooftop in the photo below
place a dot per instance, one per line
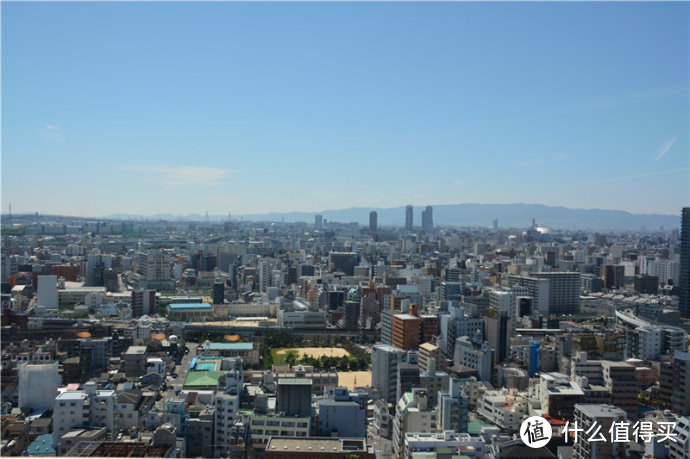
(42, 446)
(190, 307)
(229, 346)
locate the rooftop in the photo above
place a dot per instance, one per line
(597, 410)
(202, 379)
(229, 346)
(316, 444)
(190, 307)
(136, 350)
(43, 445)
(294, 382)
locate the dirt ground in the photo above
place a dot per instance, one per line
(347, 379)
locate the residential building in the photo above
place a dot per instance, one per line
(587, 415)
(413, 414)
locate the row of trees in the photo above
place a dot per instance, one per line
(345, 363)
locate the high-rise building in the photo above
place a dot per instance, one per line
(384, 370)
(219, 291)
(94, 269)
(427, 219)
(318, 221)
(497, 325)
(155, 270)
(684, 279)
(409, 217)
(564, 292)
(144, 302)
(343, 261)
(373, 221)
(47, 292)
(613, 276)
(406, 330)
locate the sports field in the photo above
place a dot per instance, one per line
(352, 379)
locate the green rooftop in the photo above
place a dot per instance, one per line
(202, 379)
(474, 427)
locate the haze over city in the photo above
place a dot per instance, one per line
(148, 108)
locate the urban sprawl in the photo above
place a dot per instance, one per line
(326, 339)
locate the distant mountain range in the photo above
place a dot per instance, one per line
(468, 215)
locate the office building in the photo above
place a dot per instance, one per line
(294, 397)
(384, 368)
(613, 276)
(144, 302)
(684, 278)
(427, 219)
(406, 331)
(343, 261)
(47, 292)
(646, 284)
(342, 414)
(475, 356)
(409, 217)
(373, 221)
(219, 291)
(564, 292)
(497, 327)
(537, 288)
(318, 221)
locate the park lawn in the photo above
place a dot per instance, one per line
(279, 354)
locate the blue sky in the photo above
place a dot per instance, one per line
(246, 108)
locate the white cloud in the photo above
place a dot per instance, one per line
(183, 176)
(457, 182)
(52, 133)
(665, 150)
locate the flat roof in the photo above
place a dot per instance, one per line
(406, 317)
(43, 445)
(190, 307)
(600, 410)
(72, 395)
(229, 346)
(136, 350)
(317, 444)
(294, 382)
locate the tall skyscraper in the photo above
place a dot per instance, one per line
(318, 221)
(409, 217)
(684, 279)
(427, 219)
(373, 221)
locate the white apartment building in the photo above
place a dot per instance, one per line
(502, 408)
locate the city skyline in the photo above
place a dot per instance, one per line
(230, 107)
